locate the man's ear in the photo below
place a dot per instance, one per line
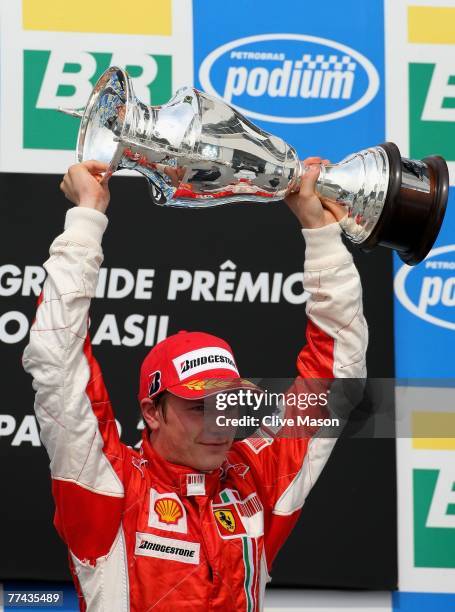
(150, 413)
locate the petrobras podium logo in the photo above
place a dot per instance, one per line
(290, 78)
(428, 290)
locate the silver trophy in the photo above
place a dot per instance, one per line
(197, 151)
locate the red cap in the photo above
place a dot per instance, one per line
(191, 365)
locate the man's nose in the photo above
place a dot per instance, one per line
(213, 429)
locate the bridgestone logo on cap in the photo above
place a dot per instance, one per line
(194, 363)
(150, 545)
(202, 360)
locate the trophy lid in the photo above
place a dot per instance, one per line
(104, 117)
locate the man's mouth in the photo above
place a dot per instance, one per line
(215, 444)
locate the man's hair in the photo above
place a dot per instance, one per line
(160, 402)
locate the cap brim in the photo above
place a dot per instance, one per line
(200, 388)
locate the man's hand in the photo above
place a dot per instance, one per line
(305, 204)
(81, 185)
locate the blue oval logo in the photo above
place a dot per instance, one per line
(428, 290)
(290, 78)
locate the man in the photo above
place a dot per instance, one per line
(191, 521)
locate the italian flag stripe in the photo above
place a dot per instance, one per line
(249, 572)
(224, 497)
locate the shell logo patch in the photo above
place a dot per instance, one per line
(168, 510)
(226, 519)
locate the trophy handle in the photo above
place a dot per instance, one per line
(72, 112)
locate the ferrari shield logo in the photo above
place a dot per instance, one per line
(226, 519)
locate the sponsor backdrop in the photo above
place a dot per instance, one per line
(314, 75)
(235, 271)
(420, 51)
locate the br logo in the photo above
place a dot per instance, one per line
(434, 518)
(432, 80)
(432, 108)
(65, 78)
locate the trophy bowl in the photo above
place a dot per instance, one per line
(196, 151)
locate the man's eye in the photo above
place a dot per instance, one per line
(198, 408)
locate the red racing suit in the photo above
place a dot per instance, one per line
(144, 534)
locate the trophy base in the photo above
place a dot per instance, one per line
(414, 208)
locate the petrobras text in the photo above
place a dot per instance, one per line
(428, 291)
(290, 78)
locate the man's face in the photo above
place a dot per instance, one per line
(185, 432)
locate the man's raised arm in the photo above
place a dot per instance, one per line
(337, 334)
(290, 459)
(72, 406)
